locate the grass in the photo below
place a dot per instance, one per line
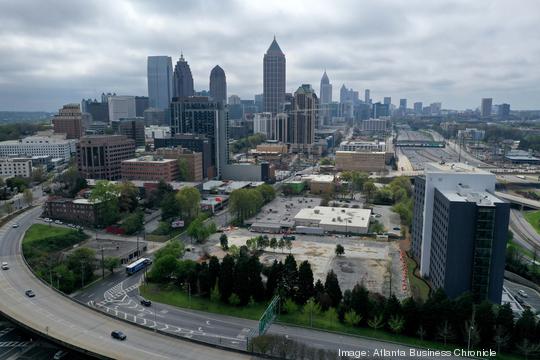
(48, 238)
(419, 288)
(181, 299)
(525, 252)
(533, 217)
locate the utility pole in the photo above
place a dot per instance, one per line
(137, 245)
(102, 264)
(82, 274)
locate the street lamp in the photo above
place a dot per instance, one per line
(471, 328)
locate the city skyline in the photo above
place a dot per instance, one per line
(412, 52)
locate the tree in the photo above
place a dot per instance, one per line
(267, 192)
(445, 332)
(396, 323)
(331, 286)
(485, 320)
(305, 283)
(189, 200)
(311, 309)
(526, 348)
(244, 203)
(173, 247)
(111, 263)
(273, 243)
(502, 337)
(82, 262)
(281, 244)
(290, 276)
(183, 170)
(505, 317)
(226, 278)
(288, 244)
(421, 332)
(107, 194)
(164, 269)
(376, 322)
(224, 242)
(525, 326)
(290, 306)
(170, 206)
(376, 227)
(369, 189)
(28, 196)
(352, 318)
(128, 199)
(331, 315)
(71, 182)
(133, 223)
(18, 183)
(340, 250)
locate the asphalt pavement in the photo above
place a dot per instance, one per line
(532, 297)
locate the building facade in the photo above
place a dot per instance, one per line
(193, 161)
(218, 84)
(69, 121)
(485, 107)
(150, 168)
(10, 167)
(303, 116)
(274, 74)
(78, 211)
(100, 156)
(39, 146)
(133, 128)
(160, 81)
(121, 107)
(360, 161)
(196, 143)
(182, 79)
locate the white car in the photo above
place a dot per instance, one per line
(523, 293)
(5, 266)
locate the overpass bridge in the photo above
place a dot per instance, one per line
(420, 143)
(519, 200)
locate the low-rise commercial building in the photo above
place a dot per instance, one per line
(334, 219)
(56, 147)
(364, 146)
(361, 161)
(77, 211)
(10, 167)
(193, 160)
(150, 168)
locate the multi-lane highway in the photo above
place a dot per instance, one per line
(63, 319)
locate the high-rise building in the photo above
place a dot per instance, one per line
(69, 121)
(304, 116)
(141, 104)
(133, 128)
(160, 81)
(367, 98)
(387, 101)
(380, 110)
(265, 123)
(403, 104)
(485, 107)
(218, 84)
(100, 156)
(274, 72)
(325, 90)
(418, 107)
(459, 230)
(99, 111)
(503, 111)
(435, 108)
(121, 107)
(182, 79)
(234, 100)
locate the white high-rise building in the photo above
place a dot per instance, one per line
(121, 107)
(264, 123)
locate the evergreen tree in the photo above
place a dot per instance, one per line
(204, 280)
(485, 319)
(305, 283)
(331, 286)
(360, 302)
(290, 276)
(392, 308)
(525, 326)
(213, 271)
(411, 314)
(254, 279)
(226, 278)
(273, 279)
(242, 279)
(505, 317)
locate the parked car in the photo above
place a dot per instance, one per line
(5, 266)
(117, 334)
(30, 293)
(146, 302)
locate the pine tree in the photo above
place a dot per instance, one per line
(213, 271)
(331, 286)
(290, 276)
(305, 283)
(226, 278)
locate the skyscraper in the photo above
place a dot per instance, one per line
(182, 80)
(160, 81)
(218, 84)
(418, 108)
(485, 107)
(325, 90)
(387, 100)
(274, 66)
(69, 121)
(367, 97)
(304, 117)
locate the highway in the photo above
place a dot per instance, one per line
(61, 318)
(524, 233)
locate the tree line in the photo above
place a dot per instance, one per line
(244, 203)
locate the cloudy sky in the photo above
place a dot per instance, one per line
(58, 51)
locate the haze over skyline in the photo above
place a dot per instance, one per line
(455, 52)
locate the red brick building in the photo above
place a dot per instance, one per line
(149, 168)
(100, 156)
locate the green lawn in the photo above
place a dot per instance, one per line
(533, 217)
(419, 289)
(525, 252)
(48, 238)
(181, 299)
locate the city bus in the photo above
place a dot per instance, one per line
(137, 265)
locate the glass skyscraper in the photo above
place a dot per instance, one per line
(273, 79)
(160, 86)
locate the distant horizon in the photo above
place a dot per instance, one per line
(53, 55)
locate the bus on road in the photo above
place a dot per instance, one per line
(138, 265)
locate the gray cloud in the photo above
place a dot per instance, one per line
(54, 52)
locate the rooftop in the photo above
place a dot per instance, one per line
(453, 168)
(336, 215)
(149, 159)
(462, 194)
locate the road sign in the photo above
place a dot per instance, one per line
(269, 315)
(177, 223)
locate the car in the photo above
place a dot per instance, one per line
(30, 293)
(60, 354)
(58, 222)
(15, 226)
(397, 228)
(522, 293)
(146, 302)
(117, 334)
(5, 266)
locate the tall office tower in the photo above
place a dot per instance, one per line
(69, 121)
(121, 107)
(282, 127)
(234, 100)
(100, 156)
(218, 84)
(202, 116)
(435, 108)
(403, 104)
(418, 107)
(485, 107)
(274, 66)
(160, 81)
(503, 111)
(459, 230)
(367, 98)
(141, 104)
(343, 94)
(265, 123)
(325, 90)
(304, 116)
(105, 97)
(380, 110)
(387, 101)
(182, 79)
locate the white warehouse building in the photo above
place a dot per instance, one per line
(335, 219)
